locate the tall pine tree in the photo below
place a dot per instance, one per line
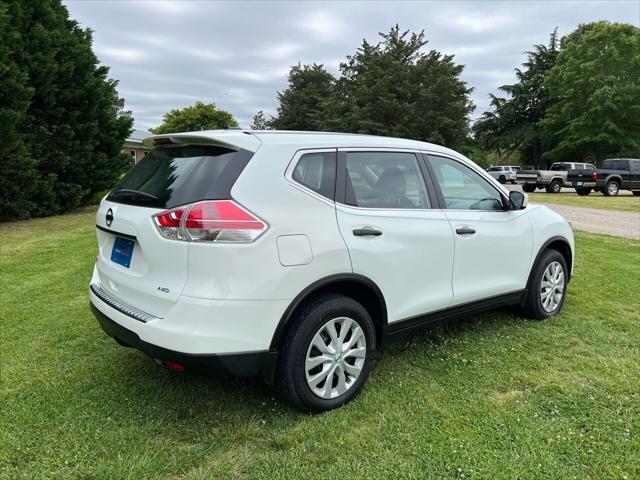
(515, 121)
(66, 127)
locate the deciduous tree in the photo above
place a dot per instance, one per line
(595, 89)
(200, 116)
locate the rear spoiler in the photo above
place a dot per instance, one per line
(234, 139)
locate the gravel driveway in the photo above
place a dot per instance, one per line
(607, 222)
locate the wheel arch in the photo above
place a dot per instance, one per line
(562, 245)
(358, 287)
(613, 178)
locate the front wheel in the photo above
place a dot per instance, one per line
(327, 354)
(529, 188)
(582, 191)
(502, 179)
(547, 286)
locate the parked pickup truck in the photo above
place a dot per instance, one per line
(616, 174)
(551, 180)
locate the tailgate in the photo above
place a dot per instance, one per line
(157, 269)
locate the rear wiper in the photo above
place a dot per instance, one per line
(133, 193)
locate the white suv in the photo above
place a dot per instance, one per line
(504, 173)
(294, 256)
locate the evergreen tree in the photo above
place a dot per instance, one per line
(596, 91)
(515, 121)
(200, 116)
(65, 126)
(301, 102)
(392, 88)
(260, 122)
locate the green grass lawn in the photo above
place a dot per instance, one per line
(493, 397)
(626, 203)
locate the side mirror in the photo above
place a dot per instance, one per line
(518, 200)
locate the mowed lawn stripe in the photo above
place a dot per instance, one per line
(492, 396)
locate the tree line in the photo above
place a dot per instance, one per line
(62, 123)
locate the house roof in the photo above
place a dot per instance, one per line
(138, 135)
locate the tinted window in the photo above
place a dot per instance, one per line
(172, 176)
(635, 165)
(616, 164)
(462, 188)
(317, 171)
(385, 180)
(560, 166)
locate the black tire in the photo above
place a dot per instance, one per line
(291, 380)
(611, 189)
(533, 306)
(582, 191)
(554, 187)
(529, 188)
(502, 179)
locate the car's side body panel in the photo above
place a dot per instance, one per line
(230, 298)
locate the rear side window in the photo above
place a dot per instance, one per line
(173, 176)
(385, 180)
(317, 171)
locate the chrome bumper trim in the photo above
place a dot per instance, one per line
(119, 305)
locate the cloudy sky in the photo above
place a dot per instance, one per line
(237, 54)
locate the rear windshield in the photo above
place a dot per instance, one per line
(172, 176)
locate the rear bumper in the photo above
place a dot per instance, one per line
(245, 364)
(577, 183)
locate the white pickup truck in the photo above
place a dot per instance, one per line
(551, 180)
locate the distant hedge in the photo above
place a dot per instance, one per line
(61, 121)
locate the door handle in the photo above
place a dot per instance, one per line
(465, 231)
(367, 231)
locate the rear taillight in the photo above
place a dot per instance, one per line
(210, 221)
(594, 176)
(169, 223)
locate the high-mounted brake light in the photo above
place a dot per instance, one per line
(162, 141)
(210, 221)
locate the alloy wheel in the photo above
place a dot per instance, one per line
(335, 357)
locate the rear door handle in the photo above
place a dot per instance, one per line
(465, 231)
(367, 231)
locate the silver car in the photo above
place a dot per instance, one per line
(504, 173)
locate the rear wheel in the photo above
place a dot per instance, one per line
(502, 179)
(529, 188)
(583, 191)
(611, 189)
(327, 355)
(554, 187)
(547, 286)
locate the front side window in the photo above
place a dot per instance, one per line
(317, 171)
(462, 188)
(385, 180)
